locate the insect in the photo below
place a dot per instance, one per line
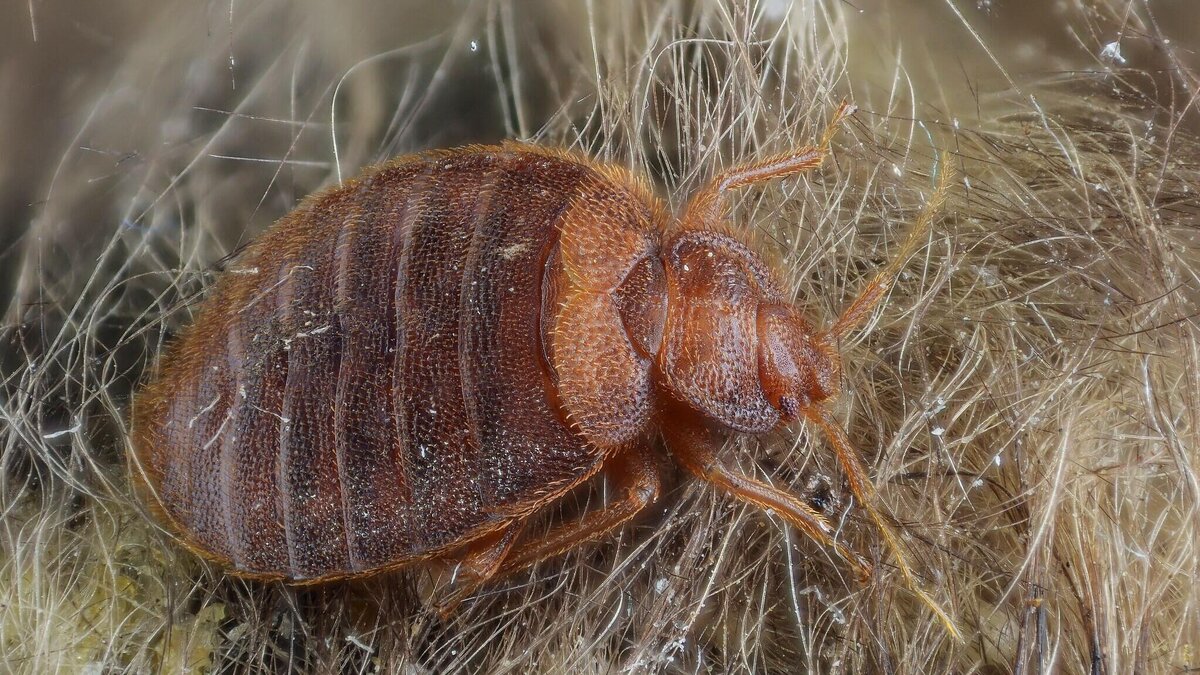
(411, 365)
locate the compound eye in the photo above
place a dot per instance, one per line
(786, 357)
(791, 406)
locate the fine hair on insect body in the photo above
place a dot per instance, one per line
(412, 365)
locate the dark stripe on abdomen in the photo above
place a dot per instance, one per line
(527, 447)
(312, 335)
(377, 498)
(438, 441)
(203, 421)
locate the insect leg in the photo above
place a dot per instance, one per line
(479, 563)
(634, 472)
(695, 448)
(864, 491)
(708, 202)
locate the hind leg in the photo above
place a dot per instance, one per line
(636, 477)
(478, 563)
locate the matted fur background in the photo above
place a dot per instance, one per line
(1027, 399)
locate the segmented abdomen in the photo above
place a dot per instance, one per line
(368, 382)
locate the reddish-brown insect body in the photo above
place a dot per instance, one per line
(410, 365)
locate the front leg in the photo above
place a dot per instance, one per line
(864, 490)
(708, 203)
(695, 446)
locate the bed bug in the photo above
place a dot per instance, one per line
(411, 365)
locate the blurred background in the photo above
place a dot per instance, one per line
(1027, 400)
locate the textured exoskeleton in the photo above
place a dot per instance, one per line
(410, 365)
